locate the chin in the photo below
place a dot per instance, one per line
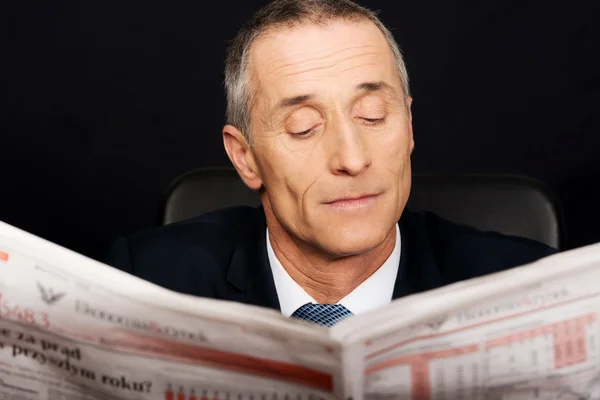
(352, 240)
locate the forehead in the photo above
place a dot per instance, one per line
(321, 58)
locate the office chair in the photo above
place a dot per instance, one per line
(512, 205)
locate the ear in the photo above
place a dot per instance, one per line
(241, 156)
(409, 101)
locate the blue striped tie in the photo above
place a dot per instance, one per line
(322, 314)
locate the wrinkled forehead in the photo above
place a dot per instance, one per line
(325, 59)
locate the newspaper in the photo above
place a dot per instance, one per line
(74, 329)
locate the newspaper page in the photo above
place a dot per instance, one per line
(529, 333)
(74, 329)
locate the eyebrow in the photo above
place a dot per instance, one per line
(378, 86)
(294, 101)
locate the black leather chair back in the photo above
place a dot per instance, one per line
(512, 205)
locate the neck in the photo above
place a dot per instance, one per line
(325, 277)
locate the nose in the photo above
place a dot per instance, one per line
(348, 151)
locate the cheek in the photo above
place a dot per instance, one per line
(291, 172)
(393, 148)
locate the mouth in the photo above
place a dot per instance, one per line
(353, 202)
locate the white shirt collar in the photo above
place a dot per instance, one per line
(374, 292)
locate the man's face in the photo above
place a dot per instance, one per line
(332, 134)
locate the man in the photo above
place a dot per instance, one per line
(319, 122)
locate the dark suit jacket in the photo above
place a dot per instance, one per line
(223, 255)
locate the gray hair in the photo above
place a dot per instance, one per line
(288, 14)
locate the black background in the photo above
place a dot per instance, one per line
(104, 103)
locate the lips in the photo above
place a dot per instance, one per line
(351, 198)
(353, 202)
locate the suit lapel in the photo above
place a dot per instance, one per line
(418, 270)
(249, 271)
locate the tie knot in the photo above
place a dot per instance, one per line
(322, 314)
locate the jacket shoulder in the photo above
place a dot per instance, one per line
(462, 252)
(184, 255)
(214, 231)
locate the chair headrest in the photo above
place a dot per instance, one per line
(513, 205)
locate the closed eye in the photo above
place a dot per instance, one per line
(373, 121)
(303, 133)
